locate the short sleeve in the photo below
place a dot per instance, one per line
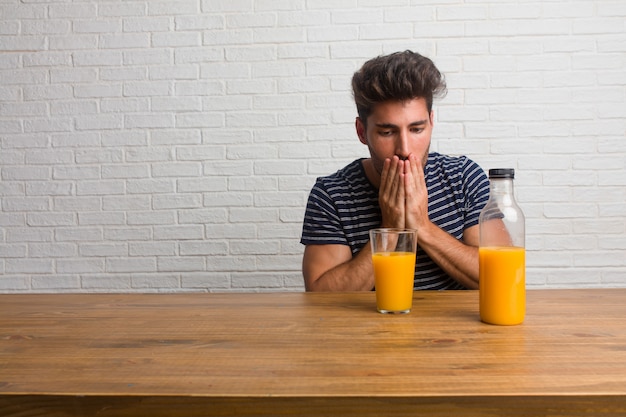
(476, 189)
(322, 224)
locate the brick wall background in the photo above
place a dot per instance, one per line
(169, 145)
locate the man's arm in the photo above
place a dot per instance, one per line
(458, 259)
(332, 268)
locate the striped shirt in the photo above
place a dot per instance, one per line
(343, 207)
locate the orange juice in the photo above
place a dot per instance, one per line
(502, 285)
(393, 276)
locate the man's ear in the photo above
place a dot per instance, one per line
(432, 118)
(360, 130)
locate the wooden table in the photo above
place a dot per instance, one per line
(307, 354)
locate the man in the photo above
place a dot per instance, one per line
(400, 185)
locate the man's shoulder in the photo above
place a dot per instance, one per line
(450, 165)
(448, 161)
(353, 172)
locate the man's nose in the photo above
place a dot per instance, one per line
(402, 146)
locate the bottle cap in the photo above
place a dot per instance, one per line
(501, 173)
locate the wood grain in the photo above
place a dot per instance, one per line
(309, 354)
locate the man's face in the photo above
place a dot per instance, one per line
(397, 128)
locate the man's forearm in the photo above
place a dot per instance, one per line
(356, 274)
(457, 259)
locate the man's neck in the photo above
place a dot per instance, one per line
(370, 172)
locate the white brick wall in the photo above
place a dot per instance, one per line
(170, 145)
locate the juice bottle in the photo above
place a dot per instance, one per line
(502, 255)
(502, 285)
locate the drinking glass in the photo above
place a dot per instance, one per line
(393, 258)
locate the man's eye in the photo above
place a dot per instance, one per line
(417, 130)
(385, 133)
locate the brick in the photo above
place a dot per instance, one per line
(29, 234)
(147, 89)
(96, 26)
(182, 232)
(10, 28)
(150, 186)
(175, 104)
(175, 137)
(150, 121)
(28, 173)
(98, 91)
(29, 266)
(181, 264)
(122, 74)
(116, 282)
(200, 120)
(22, 43)
(152, 249)
(25, 204)
(151, 217)
(213, 6)
(229, 199)
(99, 156)
(203, 216)
(55, 283)
(73, 75)
(50, 219)
(15, 283)
(125, 171)
(181, 39)
(78, 266)
(77, 203)
(231, 263)
(84, 10)
(74, 107)
(200, 54)
(156, 281)
(126, 202)
(177, 169)
(245, 215)
(128, 233)
(114, 265)
(206, 22)
(204, 248)
(228, 37)
(12, 219)
(78, 234)
(13, 251)
(205, 280)
(150, 56)
(176, 201)
(201, 185)
(125, 40)
(22, 110)
(100, 218)
(255, 280)
(103, 187)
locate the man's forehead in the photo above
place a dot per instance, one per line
(388, 112)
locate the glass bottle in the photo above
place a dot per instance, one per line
(501, 253)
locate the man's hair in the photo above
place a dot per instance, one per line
(400, 76)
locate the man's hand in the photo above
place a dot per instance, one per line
(403, 196)
(416, 202)
(391, 194)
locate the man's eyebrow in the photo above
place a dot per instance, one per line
(392, 126)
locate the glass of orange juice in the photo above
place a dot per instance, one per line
(393, 258)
